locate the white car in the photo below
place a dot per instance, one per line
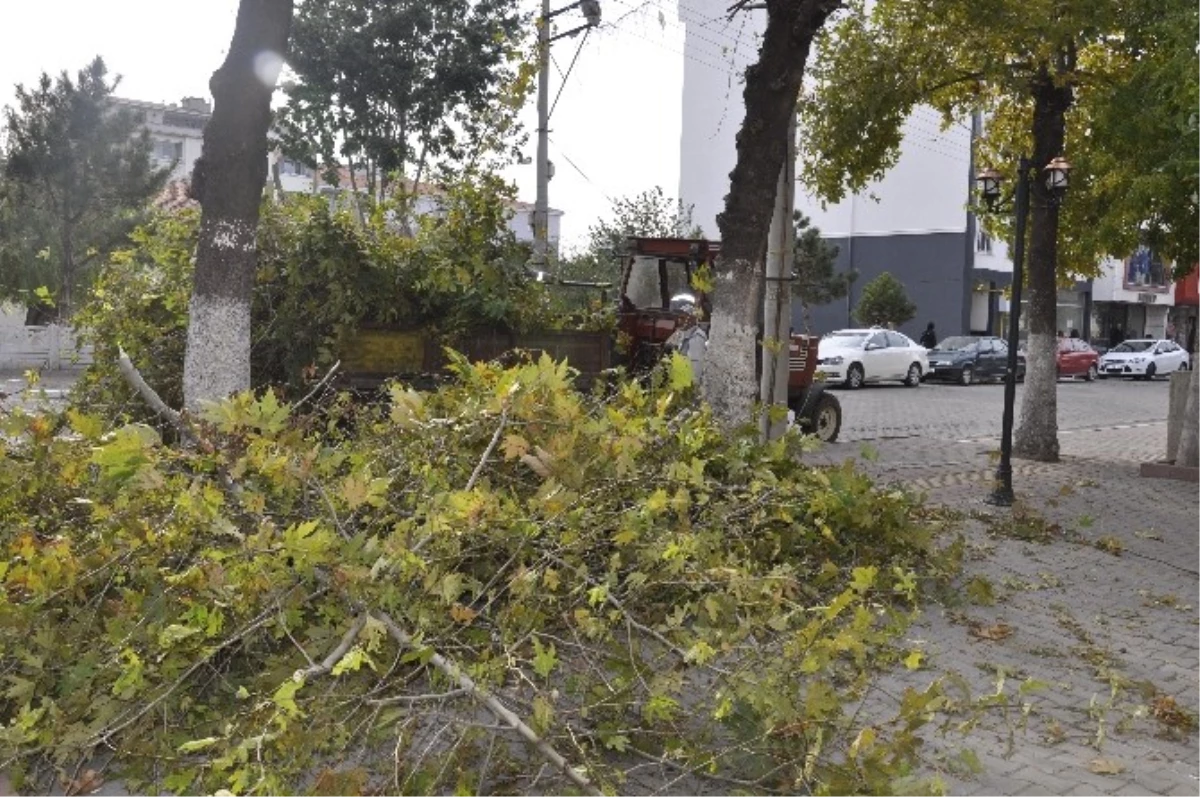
(857, 356)
(1144, 359)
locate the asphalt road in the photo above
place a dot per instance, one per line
(952, 412)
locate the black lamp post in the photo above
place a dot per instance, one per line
(989, 188)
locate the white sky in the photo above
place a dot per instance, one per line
(617, 119)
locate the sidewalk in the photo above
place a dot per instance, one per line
(1097, 582)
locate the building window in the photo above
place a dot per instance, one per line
(293, 167)
(983, 242)
(1144, 269)
(190, 121)
(168, 150)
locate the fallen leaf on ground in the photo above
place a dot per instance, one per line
(1106, 766)
(992, 632)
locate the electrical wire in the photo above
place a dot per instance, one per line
(582, 174)
(567, 76)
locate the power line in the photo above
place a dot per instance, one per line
(574, 166)
(563, 84)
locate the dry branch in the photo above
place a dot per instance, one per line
(502, 713)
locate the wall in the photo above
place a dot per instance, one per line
(929, 266)
(51, 347)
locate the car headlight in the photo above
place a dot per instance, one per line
(837, 360)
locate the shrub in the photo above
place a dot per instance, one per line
(320, 276)
(883, 301)
(634, 582)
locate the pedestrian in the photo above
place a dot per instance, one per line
(1075, 333)
(1114, 336)
(1060, 334)
(1191, 336)
(929, 337)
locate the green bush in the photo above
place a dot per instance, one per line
(633, 581)
(320, 276)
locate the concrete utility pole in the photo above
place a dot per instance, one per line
(541, 213)
(777, 298)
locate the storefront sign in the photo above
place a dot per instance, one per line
(1147, 298)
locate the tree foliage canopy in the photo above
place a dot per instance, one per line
(391, 85)
(650, 214)
(884, 301)
(76, 180)
(1131, 133)
(813, 258)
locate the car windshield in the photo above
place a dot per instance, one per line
(958, 343)
(846, 338)
(1133, 345)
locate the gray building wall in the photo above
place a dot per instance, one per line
(931, 266)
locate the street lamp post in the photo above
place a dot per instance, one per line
(989, 188)
(541, 213)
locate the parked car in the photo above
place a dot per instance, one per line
(969, 358)
(1076, 357)
(857, 356)
(1144, 359)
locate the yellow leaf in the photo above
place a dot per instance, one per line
(514, 446)
(1106, 766)
(992, 632)
(462, 614)
(913, 660)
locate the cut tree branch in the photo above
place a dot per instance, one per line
(502, 713)
(135, 380)
(337, 653)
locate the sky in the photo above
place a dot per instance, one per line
(614, 133)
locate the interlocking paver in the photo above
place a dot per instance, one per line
(1084, 618)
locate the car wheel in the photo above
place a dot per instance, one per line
(854, 377)
(966, 377)
(1183, 366)
(1092, 373)
(1150, 371)
(914, 376)
(827, 419)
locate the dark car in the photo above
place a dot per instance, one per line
(968, 358)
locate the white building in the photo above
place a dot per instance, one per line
(176, 131)
(177, 135)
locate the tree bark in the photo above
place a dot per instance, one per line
(772, 88)
(1188, 452)
(1036, 436)
(228, 182)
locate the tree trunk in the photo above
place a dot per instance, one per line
(772, 88)
(228, 182)
(1037, 435)
(1188, 452)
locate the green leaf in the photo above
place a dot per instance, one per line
(354, 659)
(197, 745)
(285, 696)
(681, 374)
(544, 658)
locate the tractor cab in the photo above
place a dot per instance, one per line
(659, 295)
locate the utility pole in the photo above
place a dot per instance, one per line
(777, 298)
(541, 213)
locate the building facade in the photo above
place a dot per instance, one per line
(177, 137)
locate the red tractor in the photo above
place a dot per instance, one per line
(660, 306)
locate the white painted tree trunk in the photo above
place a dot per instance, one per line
(1036, 436)
(217, 362)
(730, 385)
(1188, 452)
